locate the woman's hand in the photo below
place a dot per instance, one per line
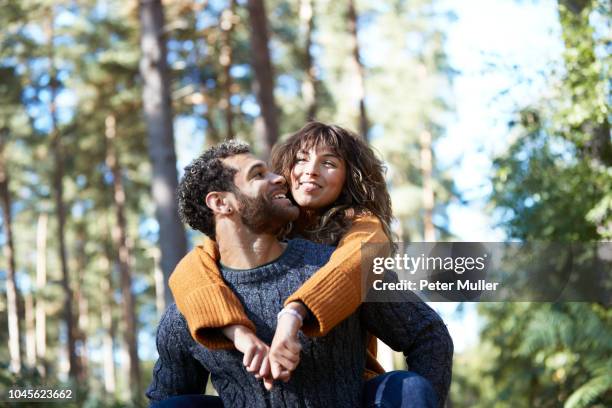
(286, 347)
(255, 351)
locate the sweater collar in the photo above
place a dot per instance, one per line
(287, 260)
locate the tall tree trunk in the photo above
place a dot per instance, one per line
(158, 113)
(121, 241)
(30, 331)
(212, 133)
(106, 311)
(429, 231)
(227, 24)
(213, 136)
(41, 283)
(60, 211)
(359, 69)
(582, 75)
(309, 90)
(82, 304)
(9, 252)
(158, 276)
(264, 75)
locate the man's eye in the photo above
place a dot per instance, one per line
(259, 174)
(300, 159)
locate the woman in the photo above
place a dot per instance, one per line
(339, 185)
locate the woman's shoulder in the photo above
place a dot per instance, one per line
(365, 218)
(365, 227)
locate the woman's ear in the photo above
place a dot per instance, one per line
(218, 203)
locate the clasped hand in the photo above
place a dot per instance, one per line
(269, 363)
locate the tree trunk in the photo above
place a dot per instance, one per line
(158, 113)
(213, 136)
(60, 211)
(106, 311)
(158, 276)
(309, 90)
(212, 133)
(82, 304)
(121, 242)
(363, 117)
(264, 75)
(41, 283)
(227, 24)
(429, 231)
(30, 331)
(577, 34)
(9, 252)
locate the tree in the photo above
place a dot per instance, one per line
(41, 282)
(60, 210)
(552, 185)
(262, 66)
(227, 24)
(9, 250)
(586, 92)
(309, 84)
(158, 113)
(120, 236)
(358, 68)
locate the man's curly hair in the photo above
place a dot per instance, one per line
(205, 174)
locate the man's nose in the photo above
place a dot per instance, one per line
(277, 179)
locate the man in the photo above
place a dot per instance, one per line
(231, 196)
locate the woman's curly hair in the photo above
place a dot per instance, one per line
(203, 175)
(364, 192)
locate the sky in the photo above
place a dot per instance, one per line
(520, 38)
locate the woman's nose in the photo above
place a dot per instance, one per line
(311, 169)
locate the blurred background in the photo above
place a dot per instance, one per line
(493, 118)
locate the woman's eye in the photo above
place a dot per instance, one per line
(330, 163)
(258, 174)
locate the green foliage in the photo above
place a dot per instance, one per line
(553, 184)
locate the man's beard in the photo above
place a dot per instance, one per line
(260, 215)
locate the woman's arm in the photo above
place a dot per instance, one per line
(332, 294)
(202, 296)
(335, 291)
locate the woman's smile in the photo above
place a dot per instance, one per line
(317, 177)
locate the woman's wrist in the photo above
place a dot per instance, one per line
(234, 330)
(287, 311)
(298, 307)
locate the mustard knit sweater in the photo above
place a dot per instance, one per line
(332, 294)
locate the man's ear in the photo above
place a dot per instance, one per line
(218, 202)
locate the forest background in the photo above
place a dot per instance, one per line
(490, 131)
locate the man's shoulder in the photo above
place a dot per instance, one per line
(173, 324)
(313, 252)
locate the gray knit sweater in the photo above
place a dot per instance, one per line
(331, 367)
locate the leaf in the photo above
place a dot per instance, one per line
(589, 392)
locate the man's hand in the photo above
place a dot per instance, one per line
(255, 351)
(286, 347)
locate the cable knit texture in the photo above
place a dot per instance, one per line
(331, 294)
(331, 367)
